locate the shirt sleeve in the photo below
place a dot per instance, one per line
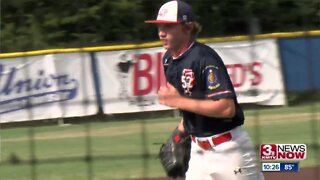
(215, 79)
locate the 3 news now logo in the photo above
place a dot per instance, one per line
(283, 151)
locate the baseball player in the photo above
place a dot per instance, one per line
(198, 84)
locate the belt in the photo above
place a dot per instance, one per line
(215, 140)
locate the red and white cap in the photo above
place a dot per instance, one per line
(174, 12)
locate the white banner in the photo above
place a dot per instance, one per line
(46, 86)
(254, 69)
(125, 87)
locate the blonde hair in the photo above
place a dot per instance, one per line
(196, 29)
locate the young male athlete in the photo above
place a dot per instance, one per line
(199, 85)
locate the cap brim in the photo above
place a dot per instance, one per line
(161, 22)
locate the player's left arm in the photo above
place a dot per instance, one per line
(221, 108)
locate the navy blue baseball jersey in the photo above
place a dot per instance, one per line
(199, 73)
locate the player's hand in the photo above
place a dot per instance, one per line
(169, 95)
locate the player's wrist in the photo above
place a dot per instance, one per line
(181, 127)
(178, 135)
(181, 102)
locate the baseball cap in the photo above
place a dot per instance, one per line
(174, 12)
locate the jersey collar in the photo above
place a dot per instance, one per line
(174, 58)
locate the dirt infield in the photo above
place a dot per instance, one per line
(312, 173)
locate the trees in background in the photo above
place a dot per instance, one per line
(40, 24)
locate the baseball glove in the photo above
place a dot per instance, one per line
(175, 154)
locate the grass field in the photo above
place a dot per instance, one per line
(128, 149)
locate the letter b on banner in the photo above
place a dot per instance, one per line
(148, 74)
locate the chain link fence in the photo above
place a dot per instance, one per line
(125, 146)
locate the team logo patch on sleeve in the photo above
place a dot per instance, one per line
(212, 79)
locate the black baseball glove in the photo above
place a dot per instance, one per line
(175, 154)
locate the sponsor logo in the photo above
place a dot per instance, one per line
(19, 92)
(283, 151)
(127, 61)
